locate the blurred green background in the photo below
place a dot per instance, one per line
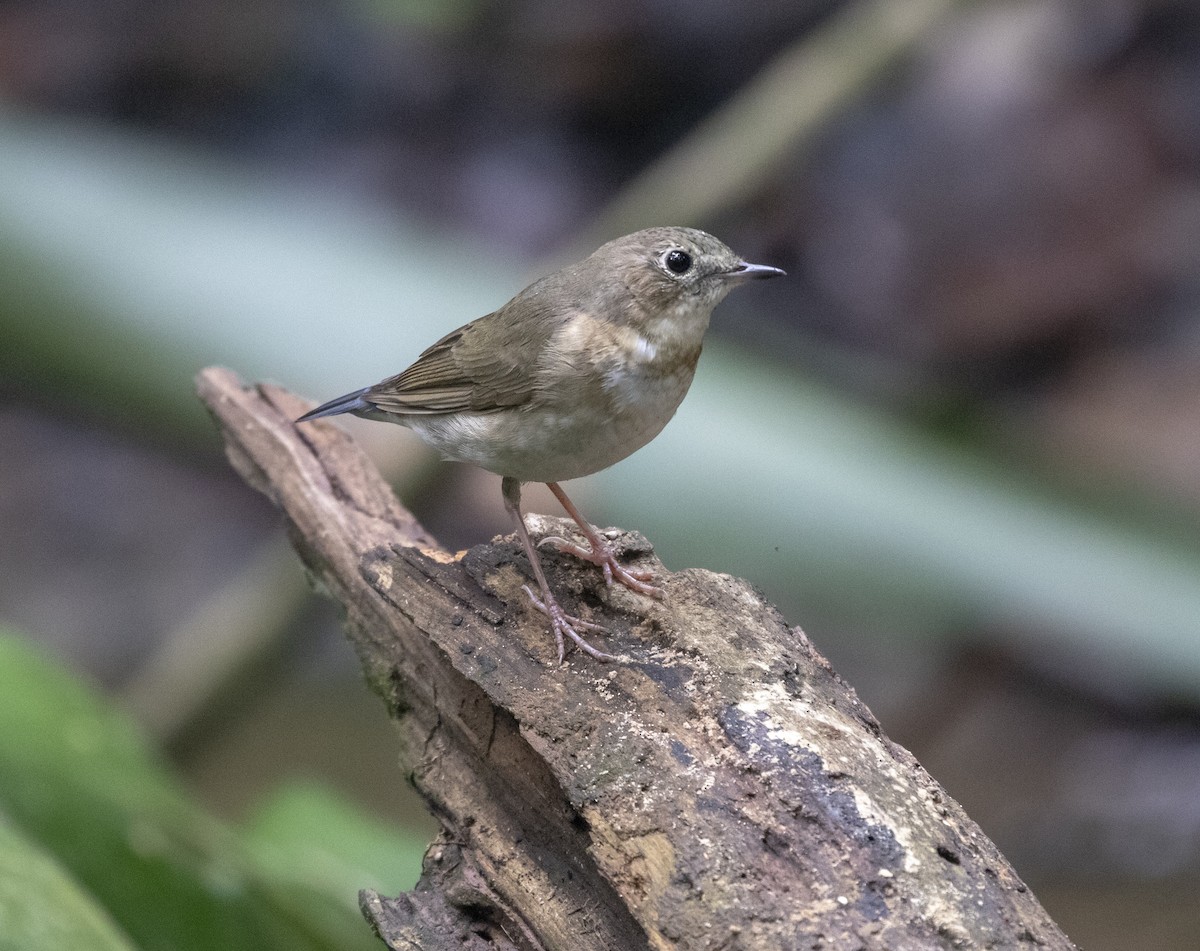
(959, 445)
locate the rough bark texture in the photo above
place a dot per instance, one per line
(724, 788)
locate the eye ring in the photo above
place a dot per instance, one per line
(677, 261)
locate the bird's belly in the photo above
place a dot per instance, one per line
(550, 442)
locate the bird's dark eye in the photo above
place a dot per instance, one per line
(677, 261)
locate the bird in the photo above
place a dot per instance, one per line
(576, 372)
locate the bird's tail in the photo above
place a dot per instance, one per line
(350, 403)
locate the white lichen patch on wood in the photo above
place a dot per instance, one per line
(846, 750)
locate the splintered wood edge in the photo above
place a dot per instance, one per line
(290, 462)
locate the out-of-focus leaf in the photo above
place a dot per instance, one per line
(77, 778)
(42, 908)
(128, 264)
(311, 834)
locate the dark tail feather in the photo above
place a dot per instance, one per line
(350, 403)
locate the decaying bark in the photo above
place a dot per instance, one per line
(722, 789)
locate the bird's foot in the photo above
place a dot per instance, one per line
(602, 555)
(564, 624)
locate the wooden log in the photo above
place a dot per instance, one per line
(721, 789)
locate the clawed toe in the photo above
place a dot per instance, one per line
(636, 581)
(565, 624)
(603, 557)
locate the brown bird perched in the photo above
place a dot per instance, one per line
(576, 372)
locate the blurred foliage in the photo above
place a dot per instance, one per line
(130, 264)
(78, 781)
(62, 348)
(42, 908)
(307, 833)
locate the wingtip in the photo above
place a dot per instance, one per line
(349, 403)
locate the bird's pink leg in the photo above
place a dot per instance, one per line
(601, 552)
(561, 623)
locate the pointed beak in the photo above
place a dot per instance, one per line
(748, 272)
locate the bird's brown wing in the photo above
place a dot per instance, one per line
(484, 366)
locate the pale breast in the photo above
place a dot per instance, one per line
(603, 392)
